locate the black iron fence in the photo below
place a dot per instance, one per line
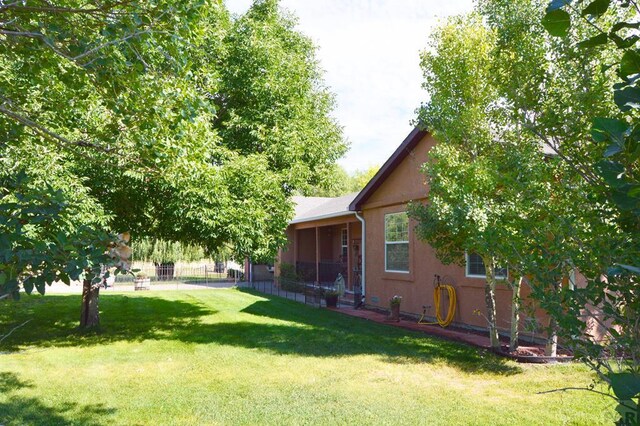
(309, 293)
(177, 273)
(327, 271)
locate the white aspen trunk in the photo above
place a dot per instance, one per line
(551, 348)
(552, 342)
(515, 315)
(490, 301)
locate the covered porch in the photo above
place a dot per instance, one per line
(324, 241)
(322, 251)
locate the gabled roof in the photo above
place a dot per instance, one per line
(388, 167)
(315, 208)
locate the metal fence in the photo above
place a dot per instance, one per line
(327, 271)
(149, 274)
(304, 292)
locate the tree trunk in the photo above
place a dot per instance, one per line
(515, 315)
(552, 340)
(490, 301)
(90, 315)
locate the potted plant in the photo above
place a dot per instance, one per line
(394, 305)
(331, 298)
(141, 281)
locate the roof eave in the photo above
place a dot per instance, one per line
(321, 217)
(392, 162)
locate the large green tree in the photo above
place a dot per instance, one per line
(507, 103)
(137, 104)
(615, 174)
(562, 207)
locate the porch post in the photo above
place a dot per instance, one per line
(295, 249)
(317, 256)
(349, 285)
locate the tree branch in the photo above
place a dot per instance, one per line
(43, 131)
(104, 10)
(13, 329)
(112, 42)
(31, 34)
(580, 389)
(581, 171)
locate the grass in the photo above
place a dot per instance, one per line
(235, 357)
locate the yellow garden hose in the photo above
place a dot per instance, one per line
(437, 295)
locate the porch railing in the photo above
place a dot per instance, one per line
(327, 271)
(307, 293)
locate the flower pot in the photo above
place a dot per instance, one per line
(331, 301)
(394, 315)
(142, 283)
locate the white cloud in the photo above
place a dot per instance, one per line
(370, 52)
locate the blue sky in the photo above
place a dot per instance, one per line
(369, 50)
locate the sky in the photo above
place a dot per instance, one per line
(370, 52)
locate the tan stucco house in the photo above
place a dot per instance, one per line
(369, 238)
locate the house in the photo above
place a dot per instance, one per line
(369, 238)
(324, 240)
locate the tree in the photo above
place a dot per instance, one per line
(616, 173)
(124, 100)
(464, 212)
(272, 100)
(338, 182)
(503, 92)
(568, 210)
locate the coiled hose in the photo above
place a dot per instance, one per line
(437, 297)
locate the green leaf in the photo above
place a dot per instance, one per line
(630, 63)
(594, 41)
(629, 412)
(65, 278)
(596, 8)
(557, 22)
(28, 285)
(625, 385)
(611, 150)
(623, 43)
(623, 200)
(620, 25)
(557, 4)
(608, 129)
(611, 172)
(627, 98)
(40, 284)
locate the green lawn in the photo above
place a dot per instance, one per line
(233, 357)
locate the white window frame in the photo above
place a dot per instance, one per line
(396, 242)
(468, 275)
(344, 244)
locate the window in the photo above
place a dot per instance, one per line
(396, 242)
(475, 267)
(345, 245)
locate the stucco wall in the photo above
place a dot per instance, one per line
(416, 287)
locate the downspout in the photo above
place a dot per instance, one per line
(364, 240)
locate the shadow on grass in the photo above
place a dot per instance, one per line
(19, 410)
(264, 322)
(55, 320)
